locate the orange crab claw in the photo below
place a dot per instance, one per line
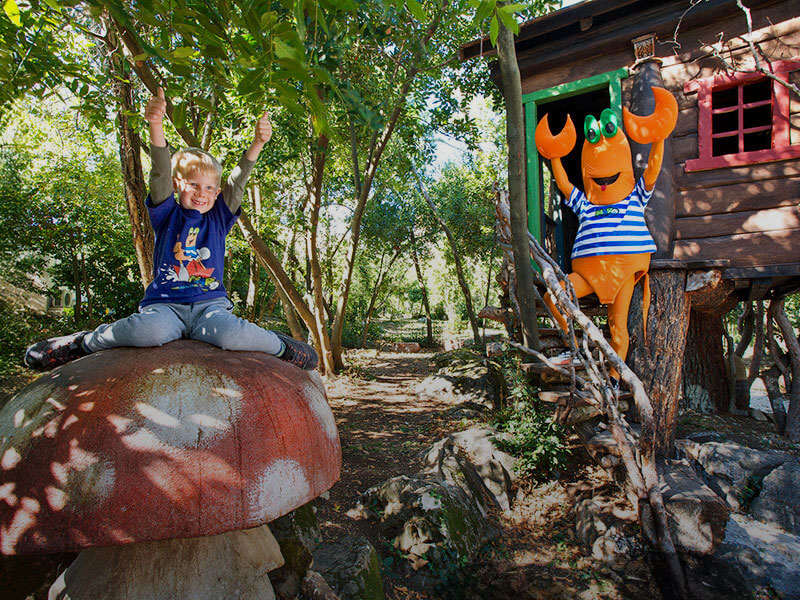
(654, 127)
(555, 146)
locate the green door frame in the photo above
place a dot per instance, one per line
(531, 103)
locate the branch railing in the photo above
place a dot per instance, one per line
(638, 457)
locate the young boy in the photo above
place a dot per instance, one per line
(191, 217)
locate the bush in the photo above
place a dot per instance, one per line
(20, 327)
(536, 440)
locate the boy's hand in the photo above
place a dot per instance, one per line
(156, 108)
(263, 129)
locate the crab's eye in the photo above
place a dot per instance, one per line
(609, 123)
(591, 129)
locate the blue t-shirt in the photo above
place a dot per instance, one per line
(617, 228)
(189, 254)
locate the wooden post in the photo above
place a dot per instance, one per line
(660, 213)
(658, 359)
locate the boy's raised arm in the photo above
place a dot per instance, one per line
(160, 174)
(234, 187)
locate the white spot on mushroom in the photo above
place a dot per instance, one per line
(187, 405)
(319, 406)
(282, 486)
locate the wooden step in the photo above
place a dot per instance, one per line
(566, 398)
(603, 442)
(539, 368)
(580, 413)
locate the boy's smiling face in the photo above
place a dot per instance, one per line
(196, 191)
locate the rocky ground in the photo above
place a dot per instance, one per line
(384, 424)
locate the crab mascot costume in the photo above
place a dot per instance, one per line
(613, 245)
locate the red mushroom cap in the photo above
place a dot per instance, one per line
(131, 445)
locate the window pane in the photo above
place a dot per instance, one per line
(725, 98)
(758, 116)
(760, 140)
(722, 122)
(725, 145)
(755, 92)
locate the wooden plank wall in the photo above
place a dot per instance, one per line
(748, 214)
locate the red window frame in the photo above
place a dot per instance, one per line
(781, 147)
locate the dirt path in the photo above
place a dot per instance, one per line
(383, 425)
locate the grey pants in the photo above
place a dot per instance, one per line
(210, 321)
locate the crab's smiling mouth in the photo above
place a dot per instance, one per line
(604, 181)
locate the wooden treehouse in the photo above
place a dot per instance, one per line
(724, 215)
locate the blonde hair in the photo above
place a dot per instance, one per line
(195, 159)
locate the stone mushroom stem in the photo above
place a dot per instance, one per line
(231, 565)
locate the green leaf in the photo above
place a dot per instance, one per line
(12, 12)
(494, 30)
(184, 52)
(485, 9)
(300, 16)
(416, 9)
(285, 91)
(511, 8)
(251, 81)
(179, 115)
(284, 50)
(509, 21)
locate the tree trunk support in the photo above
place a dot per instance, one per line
(658, 358)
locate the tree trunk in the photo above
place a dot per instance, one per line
(253, 279)
(76, 280)
(375, 292)
(658, 359)
(704, 363)
(86, 289)
(473, 320)
(515, 134)
(746, 321)
(790, 338)
(425, 302)
(276, 272)
(324, 346)
(130, 153)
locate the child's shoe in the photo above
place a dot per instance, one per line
(298, 353)
(49, 354)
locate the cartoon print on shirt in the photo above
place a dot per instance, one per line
(190, 267)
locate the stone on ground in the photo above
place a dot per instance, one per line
(351, 567)
(732, 471)
(495, 468)
(697, 516)
(464, 376)
(756, 560)
(779, 499)
(431, 521)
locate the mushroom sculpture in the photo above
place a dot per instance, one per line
(163, 465)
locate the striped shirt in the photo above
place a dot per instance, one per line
(617, 228)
